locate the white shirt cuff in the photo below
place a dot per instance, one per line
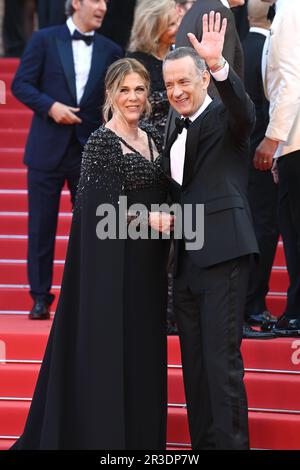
(222, 74)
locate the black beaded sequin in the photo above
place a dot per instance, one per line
(105, 167)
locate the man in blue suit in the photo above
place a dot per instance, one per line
(61, 78)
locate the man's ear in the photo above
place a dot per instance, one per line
(76, 4)
(205, 79)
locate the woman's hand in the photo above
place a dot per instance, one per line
(161, 221)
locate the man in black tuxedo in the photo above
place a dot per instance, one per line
(61, 78)
(207, 157)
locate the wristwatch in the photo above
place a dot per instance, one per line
(218, 66)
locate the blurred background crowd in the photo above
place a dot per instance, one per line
(18, 19)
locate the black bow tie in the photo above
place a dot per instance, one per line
(77, 36)
(182, 123)
(271, 12)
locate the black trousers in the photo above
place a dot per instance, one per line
(289, 219)
(44, 191)
(263, 199)
(209, 307)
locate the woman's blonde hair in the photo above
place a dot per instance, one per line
(115, 76)
(151, 19)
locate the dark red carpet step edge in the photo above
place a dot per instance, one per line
(12, 103)
(11, 158)
(15, 118)
(8, 65)
(14, 271)
(267, 430)
(266, 391)
(16, 297)
(280, 354)
(13, 275)
(7, 443)
(13, 137)
(15, 223)
(7, 78)
(21, 339)
(15, 246)
(272, 391)
(17, 200)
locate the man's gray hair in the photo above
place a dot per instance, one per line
(182, 52)
(69, 10)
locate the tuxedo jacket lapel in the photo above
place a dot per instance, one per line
(64, 47)
(99, 62)
(166, 154)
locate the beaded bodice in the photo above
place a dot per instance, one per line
(105, 167)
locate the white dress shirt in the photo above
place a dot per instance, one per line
(177, 152)
(255, 29)
(225, 3)
(82, 54)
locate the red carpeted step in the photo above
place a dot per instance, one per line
(267, 430)
(13, 415)
(15, 248)
(276, 303)
(13, 103)
(16, 223)
(273, 391)
(13, 178)
(16, 273)
(7, 78)
(8, 65)
(13, 137)
(16, 200)
(5, 444)
(280, 354)
(279, 280)
(276, 354)
(280, 257)
(15, 118)
(11, 158)
(274, 431)
(23, 339)
(18, 298)
(18, 380)
(264, 390)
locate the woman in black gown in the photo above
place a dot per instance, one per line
(102, 384)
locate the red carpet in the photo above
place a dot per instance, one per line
(272, 367)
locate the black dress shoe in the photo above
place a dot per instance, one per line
(40, 311)
(260, 318)
(250, 333)
(286, 326)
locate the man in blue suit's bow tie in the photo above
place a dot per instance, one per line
(61, 78)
